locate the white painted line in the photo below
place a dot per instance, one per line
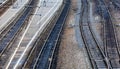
(11, 14)
(47, 14)
(26, 47)
(39, 30)
(19, 44)
(34, 38)
(3, 2)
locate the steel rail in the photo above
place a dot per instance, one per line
(50, 65)
(93, 63)
(39, 38)
(116, 3)
(9, 36)
(45, 42)
(10, 24)
(7, 4)
(51, 42)
(110, 35)
(3, 3)
(112, 28)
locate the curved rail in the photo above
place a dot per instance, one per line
(111, 48)
(9, 36)
(94, 50)
(46, 54)
(40, 42)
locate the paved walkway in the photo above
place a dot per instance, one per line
(12, 13)
(38, 22)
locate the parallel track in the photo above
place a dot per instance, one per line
(94, 50)
(6, 6)
(41, 41)
(45, 57)
(111, 48)
(14, 29)
(116, 3)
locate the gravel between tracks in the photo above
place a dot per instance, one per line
(115, 13)
(71, 56)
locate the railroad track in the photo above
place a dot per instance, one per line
(116, 3)
(111, 48)
(96, 55)
(6, 6)
(3, 2)
(37, 46)
(45, 57)
(13, 30)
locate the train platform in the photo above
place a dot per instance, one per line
(12, 13)
(37, 23)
